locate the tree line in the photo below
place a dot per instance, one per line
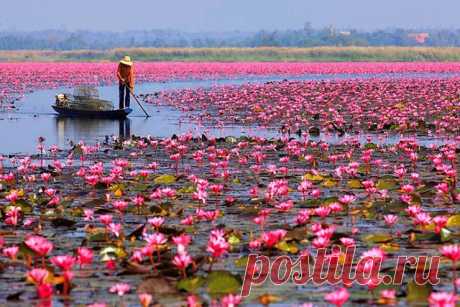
(305, 37)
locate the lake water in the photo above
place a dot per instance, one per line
(34, 117)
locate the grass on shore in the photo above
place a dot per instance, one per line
(264, 54)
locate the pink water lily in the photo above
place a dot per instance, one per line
(337, 298)
(120, 289)
(84, 256)
(38, 275)
(39, 245)
(11, 252)
(442, 299)
(145, 299)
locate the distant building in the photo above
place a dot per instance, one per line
(345, 33)
(419, 37)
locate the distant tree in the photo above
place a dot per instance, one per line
(307, 36)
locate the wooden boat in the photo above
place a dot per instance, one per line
(85, 102)
(109, 114)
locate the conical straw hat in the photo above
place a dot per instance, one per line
(126, 61)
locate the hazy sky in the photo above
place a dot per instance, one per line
(222, 15)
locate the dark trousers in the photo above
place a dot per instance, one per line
(124, 96)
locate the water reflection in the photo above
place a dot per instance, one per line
(124, 128)
(74, 129)
(19, 130)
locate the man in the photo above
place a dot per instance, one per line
(125, 74)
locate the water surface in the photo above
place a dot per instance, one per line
(34, 117)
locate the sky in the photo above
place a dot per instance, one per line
(226, 15)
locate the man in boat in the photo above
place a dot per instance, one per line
(125, 74)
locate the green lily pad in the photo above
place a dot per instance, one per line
(418, 293)
(236, 181)
(312, 177)
(242, 262)
(191, 284)
(386, 184)
(223, 282)
(329, 183)
(453, 221)
(390, 247)
(377, 238)
(26, 207)
(370, 146)
(165, 179)
(426, 236)
(354, 184)
(234, 239)
(416, 199)
(140, 187)
(287, 247)
(186, 190)
(24, 250)
(363, 170)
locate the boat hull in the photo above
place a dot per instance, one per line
(112, 114)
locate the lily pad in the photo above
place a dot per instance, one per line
(287, 247)
(234, 239)
(236, 181)
(223, 282)
(453, 221)
(312, 177)
(140, 187)
(377, 238)
(165, 179)
(26, 207)
(370, 146)
(191, 284)
(329, 183)
(386, 184)
(418, 293)
(242, 261)
(354, 184)
(186, 190)
(390, 247)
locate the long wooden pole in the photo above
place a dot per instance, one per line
(137, 100)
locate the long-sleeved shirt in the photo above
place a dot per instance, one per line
(127, 73)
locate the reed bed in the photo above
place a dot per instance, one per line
(266, 54)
